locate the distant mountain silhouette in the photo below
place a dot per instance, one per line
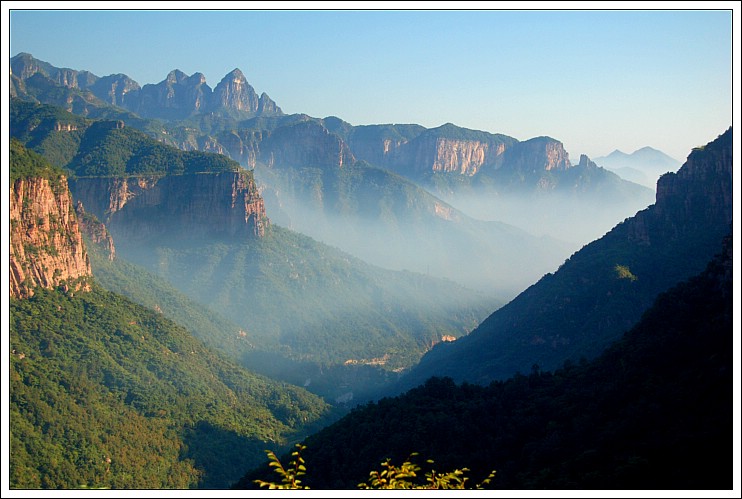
(644, 166)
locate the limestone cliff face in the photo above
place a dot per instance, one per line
(216, 205)
(464, 157)
(414, 151)
(443, 154)
(46, 246)
(536, 155)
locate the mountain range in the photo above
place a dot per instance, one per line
(191, 268)
(530, 185)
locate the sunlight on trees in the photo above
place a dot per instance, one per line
(389, 477)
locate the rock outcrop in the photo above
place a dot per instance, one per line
(218, 205)
(95, 231)
(537, 155)
(46, 246)
(177, 96)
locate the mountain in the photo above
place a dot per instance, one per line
(643, 166)
(107, 393)
(601, 290)
(309, 314)
(529, 184)
(314, 185)
(178, 96)
(636, 417)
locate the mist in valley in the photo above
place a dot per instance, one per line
(397, 225)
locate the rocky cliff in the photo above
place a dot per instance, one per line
(700, 191)
(412, 150)
(218, 205)
(235, 93)
(537, 155)
(46, 246)
(176, 97)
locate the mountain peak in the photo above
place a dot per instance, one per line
(235, 75)
(176, 76)
(617, 154)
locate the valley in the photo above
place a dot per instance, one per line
(197, 277)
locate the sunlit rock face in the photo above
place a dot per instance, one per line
(46, 246)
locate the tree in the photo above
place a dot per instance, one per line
(389, 477)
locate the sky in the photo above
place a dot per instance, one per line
(597, 80)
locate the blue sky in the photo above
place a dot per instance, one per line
(597, 80)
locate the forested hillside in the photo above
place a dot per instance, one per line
(652, 412)
(106, 393)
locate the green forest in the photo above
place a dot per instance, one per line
(95, 377)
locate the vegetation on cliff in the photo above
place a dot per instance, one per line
(28, 164)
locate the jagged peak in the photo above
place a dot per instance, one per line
(199, 78)
(175, 76)
(23, 55)
(235, 75)
(586, 162)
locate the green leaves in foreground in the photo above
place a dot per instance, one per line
(290, 476)
(390, 476)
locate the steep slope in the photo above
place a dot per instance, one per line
(95, 377)
(106, 393)
(602, 289)
(637, 417)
